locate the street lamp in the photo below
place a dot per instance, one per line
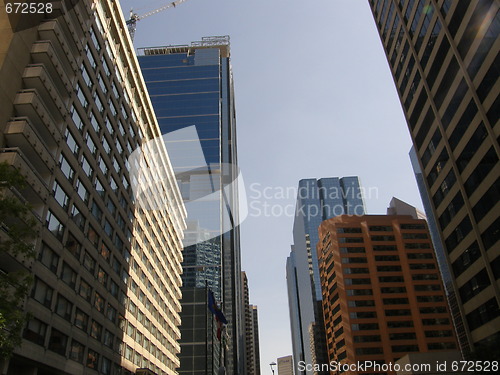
(272, 364)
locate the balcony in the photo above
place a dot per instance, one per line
(36, 191)
(53, 32)
(36, 77)
(28, 104)
(43, 53)
(20, 133)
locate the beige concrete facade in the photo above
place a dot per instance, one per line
(74, 109)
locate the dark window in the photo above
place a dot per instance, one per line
(384, 248)
(388, 268)
(484, 167)
(448, 78)
(68, 275)
(399, 324)
(435, 322)
(395, 301)
(462, 124)
(424, 128)
(458, 234)
(444, 188)
(469, 256)
(49, 258)
(81, 320)
(471, 148)
(431, 147)
(438, 167)
(454, 104)
(35, 331)
(42, 293)
(76, 351)
(487, 201)
(367, 338)
(403, 336)
(427, 288)
(92, 359)
(58, 342)
(404, 348)
(491, 235)
(451, 210)
(474, 286)
(433, 310)
(483, 314)
(397, 312)
(63, 307)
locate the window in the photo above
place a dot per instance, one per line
(35, 331)
(108, 338)
(395, 301)
(397, 312)
(82, 191)
(85, 290)
(102, 276)
(58, 342)
(380, 228)
(73, 246)
(68, 275)
(54, 225)
(92, 235)
(66, 168)
(474, 286)
(60, 195)
(86, 167)
(111, 313)
(389, 268)
(433, 310)
(382, 238)
(42, 293)
(96, 211)
(90, 144)
(96, 330)
(49, 258)
(81, 320)
(76, 351)
(99, 302)
(81, 96)
(77, 119)
(92, 359)
(63, 307)
(71, 142)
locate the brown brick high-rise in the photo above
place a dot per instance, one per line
(382, 291)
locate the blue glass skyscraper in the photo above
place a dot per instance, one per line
(192, 93)
(317, 200)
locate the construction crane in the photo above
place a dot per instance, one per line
(134, 17)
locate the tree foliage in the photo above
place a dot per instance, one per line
(18, 230)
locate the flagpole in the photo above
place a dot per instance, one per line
(206, 326)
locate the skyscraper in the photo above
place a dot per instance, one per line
(106, 290)
(439, 249)
(285, 365)
(443, 55)
(252, 357)
(191, 89)
(317, 200)
(382, 292)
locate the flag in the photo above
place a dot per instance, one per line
(214, 309)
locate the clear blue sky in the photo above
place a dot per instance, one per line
(314, 98)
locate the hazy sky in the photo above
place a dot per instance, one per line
(314, 98)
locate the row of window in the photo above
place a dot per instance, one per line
(58, 342)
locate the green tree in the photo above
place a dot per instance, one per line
(17, 232)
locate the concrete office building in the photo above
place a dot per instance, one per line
(74, 107)
(443, 55)
(191, 89)
(382, 292)
(317, 200)
(285, 365)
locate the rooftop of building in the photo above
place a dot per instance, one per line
(220, 42)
